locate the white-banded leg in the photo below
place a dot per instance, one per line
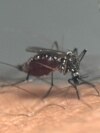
(90, 84)
(71, 81)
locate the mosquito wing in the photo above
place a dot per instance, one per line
(43, 50)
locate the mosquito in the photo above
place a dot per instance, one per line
(46, 61)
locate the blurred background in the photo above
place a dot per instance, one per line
(23, 23)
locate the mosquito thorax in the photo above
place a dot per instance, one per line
(47, 57)
(72, 63)
(63, 65)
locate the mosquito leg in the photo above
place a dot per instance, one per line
(27, 77)
(83, 81)
(14, 83)
(18, 82)
(48, 92)
(75, 86)
(82, 54)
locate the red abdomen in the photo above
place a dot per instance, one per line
(37, 69)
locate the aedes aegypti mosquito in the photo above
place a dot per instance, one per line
(48, 60)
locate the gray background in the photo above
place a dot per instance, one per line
(75, 23)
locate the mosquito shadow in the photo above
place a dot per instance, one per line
(64, 92)
(69, 92)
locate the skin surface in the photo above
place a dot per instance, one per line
(25, 111)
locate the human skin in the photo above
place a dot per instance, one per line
(25, 111)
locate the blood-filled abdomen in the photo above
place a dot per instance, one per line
(39, 66)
